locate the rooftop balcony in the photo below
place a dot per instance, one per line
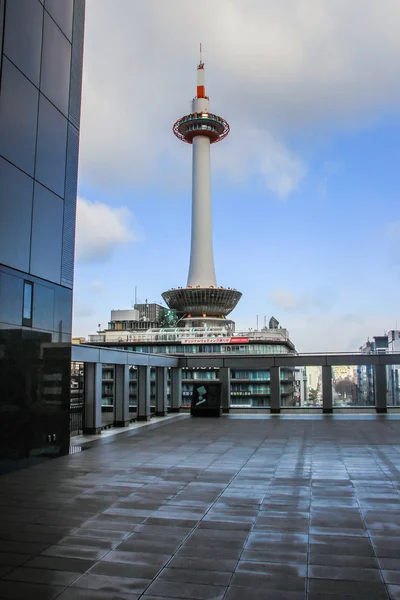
(289, 508)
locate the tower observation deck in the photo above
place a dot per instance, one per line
(202, 297)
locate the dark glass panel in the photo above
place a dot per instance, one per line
(23, 36)
(43, 307)
(63, 311)
(56, 63)
(62, 12)
(11, 292)
(15, 216)
(47, 226)
(18, 118)
(51, 147)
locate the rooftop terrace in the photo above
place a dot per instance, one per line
(280, 507)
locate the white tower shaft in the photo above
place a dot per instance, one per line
(201, 269)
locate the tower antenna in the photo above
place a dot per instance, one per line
(201, 60)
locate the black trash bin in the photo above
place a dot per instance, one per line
(206, 399)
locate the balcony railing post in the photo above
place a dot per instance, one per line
(327, 396)
(143, 393)
(93, 373)
(176, 389)
(225, 379)
(161, 391)
(380, 389)
(121, 411)
(275, 387)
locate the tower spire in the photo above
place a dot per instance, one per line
(201, 90)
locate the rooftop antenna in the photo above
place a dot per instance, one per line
(135, 294)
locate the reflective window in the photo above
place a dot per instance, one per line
(55, 76)
(18, 118)
(11, 291)
(62, 13)
(46, 234)
(43, 307)
(16, 192)
(63, 310)
(27, 304)
(51, 147)
(23, 36)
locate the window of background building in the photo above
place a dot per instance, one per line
(27, 304)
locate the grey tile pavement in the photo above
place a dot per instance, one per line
(231, 508)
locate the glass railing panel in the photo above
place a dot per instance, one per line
(393, 385)
(301, 387)
(353, 386)
(77, 398)
(107, 395)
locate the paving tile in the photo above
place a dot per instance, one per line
(242, 593)
(117, 569)
(344, 573)
(394, 592)
(207, 564)
(172, 589)
(5, 569)
(15, 590)
(196, 576)
(47, 576)
(73, 565)
(344, 560)
(10, 558)
(207, 552)
(392, 577)
(112, 584)
(89, 594)
(339, 589)
(85, 553)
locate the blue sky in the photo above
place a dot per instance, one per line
(305, 188)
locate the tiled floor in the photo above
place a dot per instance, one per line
(233, 508)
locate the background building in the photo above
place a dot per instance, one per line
(40, 100)
(249, 388)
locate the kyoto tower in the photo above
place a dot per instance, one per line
(201, 301)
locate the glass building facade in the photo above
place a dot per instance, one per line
(40, 102)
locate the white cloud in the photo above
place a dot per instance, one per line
(320, 299)
(97, 287)
(278, 68)
(335, 332)
(100, 229)
(287, 300)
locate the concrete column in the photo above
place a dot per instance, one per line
(176, 389)
(121, 410)
(380, 389)
(93, 373)
(161, 391)
(225, 379)
(143, 393)
(275, 387)
(327, 397)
